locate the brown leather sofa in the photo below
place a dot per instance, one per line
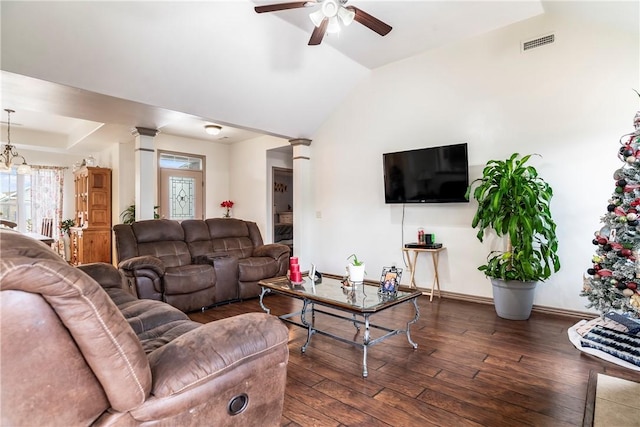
(78, 351)
(195, 264)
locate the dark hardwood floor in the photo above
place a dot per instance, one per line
(471, 368)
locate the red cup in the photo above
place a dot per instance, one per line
(293, 260)
(296, 276)
(294, 268)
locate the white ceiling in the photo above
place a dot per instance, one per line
(176, 66)
(417, 26)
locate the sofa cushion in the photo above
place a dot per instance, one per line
(157, 230)
(227, 227)
(239, 247)
(42, 368)
(163, 239)
(97, 326)
(173, 253)
(256, 268)
(230, 236)
(154, 322)
(196, 234)
(189, 278)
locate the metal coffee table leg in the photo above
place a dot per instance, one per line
(309, 326)
(415, 319)
(365, 345)
(262, 294)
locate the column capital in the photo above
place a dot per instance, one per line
(300, 141)
(144, 132)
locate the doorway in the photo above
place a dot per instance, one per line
(181, 186)
(283, 206)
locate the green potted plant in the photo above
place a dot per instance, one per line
(128, 215)
(514, 203)
(66, 225)
(356, 269)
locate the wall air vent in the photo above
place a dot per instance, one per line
(537, 42)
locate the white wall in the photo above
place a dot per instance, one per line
(249, 181)
(569, 101)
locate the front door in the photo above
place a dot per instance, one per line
(181, 192)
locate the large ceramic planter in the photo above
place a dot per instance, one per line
(513, 299)
(356, 273)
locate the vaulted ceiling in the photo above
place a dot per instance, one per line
(88, 72)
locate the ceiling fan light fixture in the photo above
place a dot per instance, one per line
(330, 8)
(334, 25)
(316, 17)
(346, 16)
(212, 129)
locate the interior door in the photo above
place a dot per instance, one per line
(181, 194)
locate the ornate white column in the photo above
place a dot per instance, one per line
(145, 172)
(302, 201)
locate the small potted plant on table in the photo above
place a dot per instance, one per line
(355, 269)
(514, 202)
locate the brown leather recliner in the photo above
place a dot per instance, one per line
(197, 263)
(77, 353)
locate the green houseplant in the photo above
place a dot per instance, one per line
(514, 202)
(66, 225)
(356, 269)
(128, 215)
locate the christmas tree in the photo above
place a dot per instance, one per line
(613, 282)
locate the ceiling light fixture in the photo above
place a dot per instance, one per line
(331, 10)
(213, 129)
(9, 153)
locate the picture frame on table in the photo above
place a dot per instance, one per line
(390, 280)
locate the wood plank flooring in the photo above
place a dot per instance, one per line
(471, 368)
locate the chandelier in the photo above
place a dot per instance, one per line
(9, 153)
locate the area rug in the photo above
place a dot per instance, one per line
(612, 401)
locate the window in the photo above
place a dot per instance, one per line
(28, 199)
(181, 186)
(180, 161)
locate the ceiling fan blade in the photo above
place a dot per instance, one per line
(282, 6)
(370, 22)
(318, 33)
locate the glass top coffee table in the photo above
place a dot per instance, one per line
(360, 301)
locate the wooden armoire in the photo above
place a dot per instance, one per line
(91, 237)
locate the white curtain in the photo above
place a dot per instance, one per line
(47, 184)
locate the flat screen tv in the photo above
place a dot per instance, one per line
(427, 175)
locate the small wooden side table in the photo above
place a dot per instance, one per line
(411, 261)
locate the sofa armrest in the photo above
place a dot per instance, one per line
(230, 372)
(105, 274)
(145, 262)
(145, 276)
(214, 349)
(272, 250)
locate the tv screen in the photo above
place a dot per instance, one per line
(427, 175)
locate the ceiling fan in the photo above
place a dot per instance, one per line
(327, 18)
